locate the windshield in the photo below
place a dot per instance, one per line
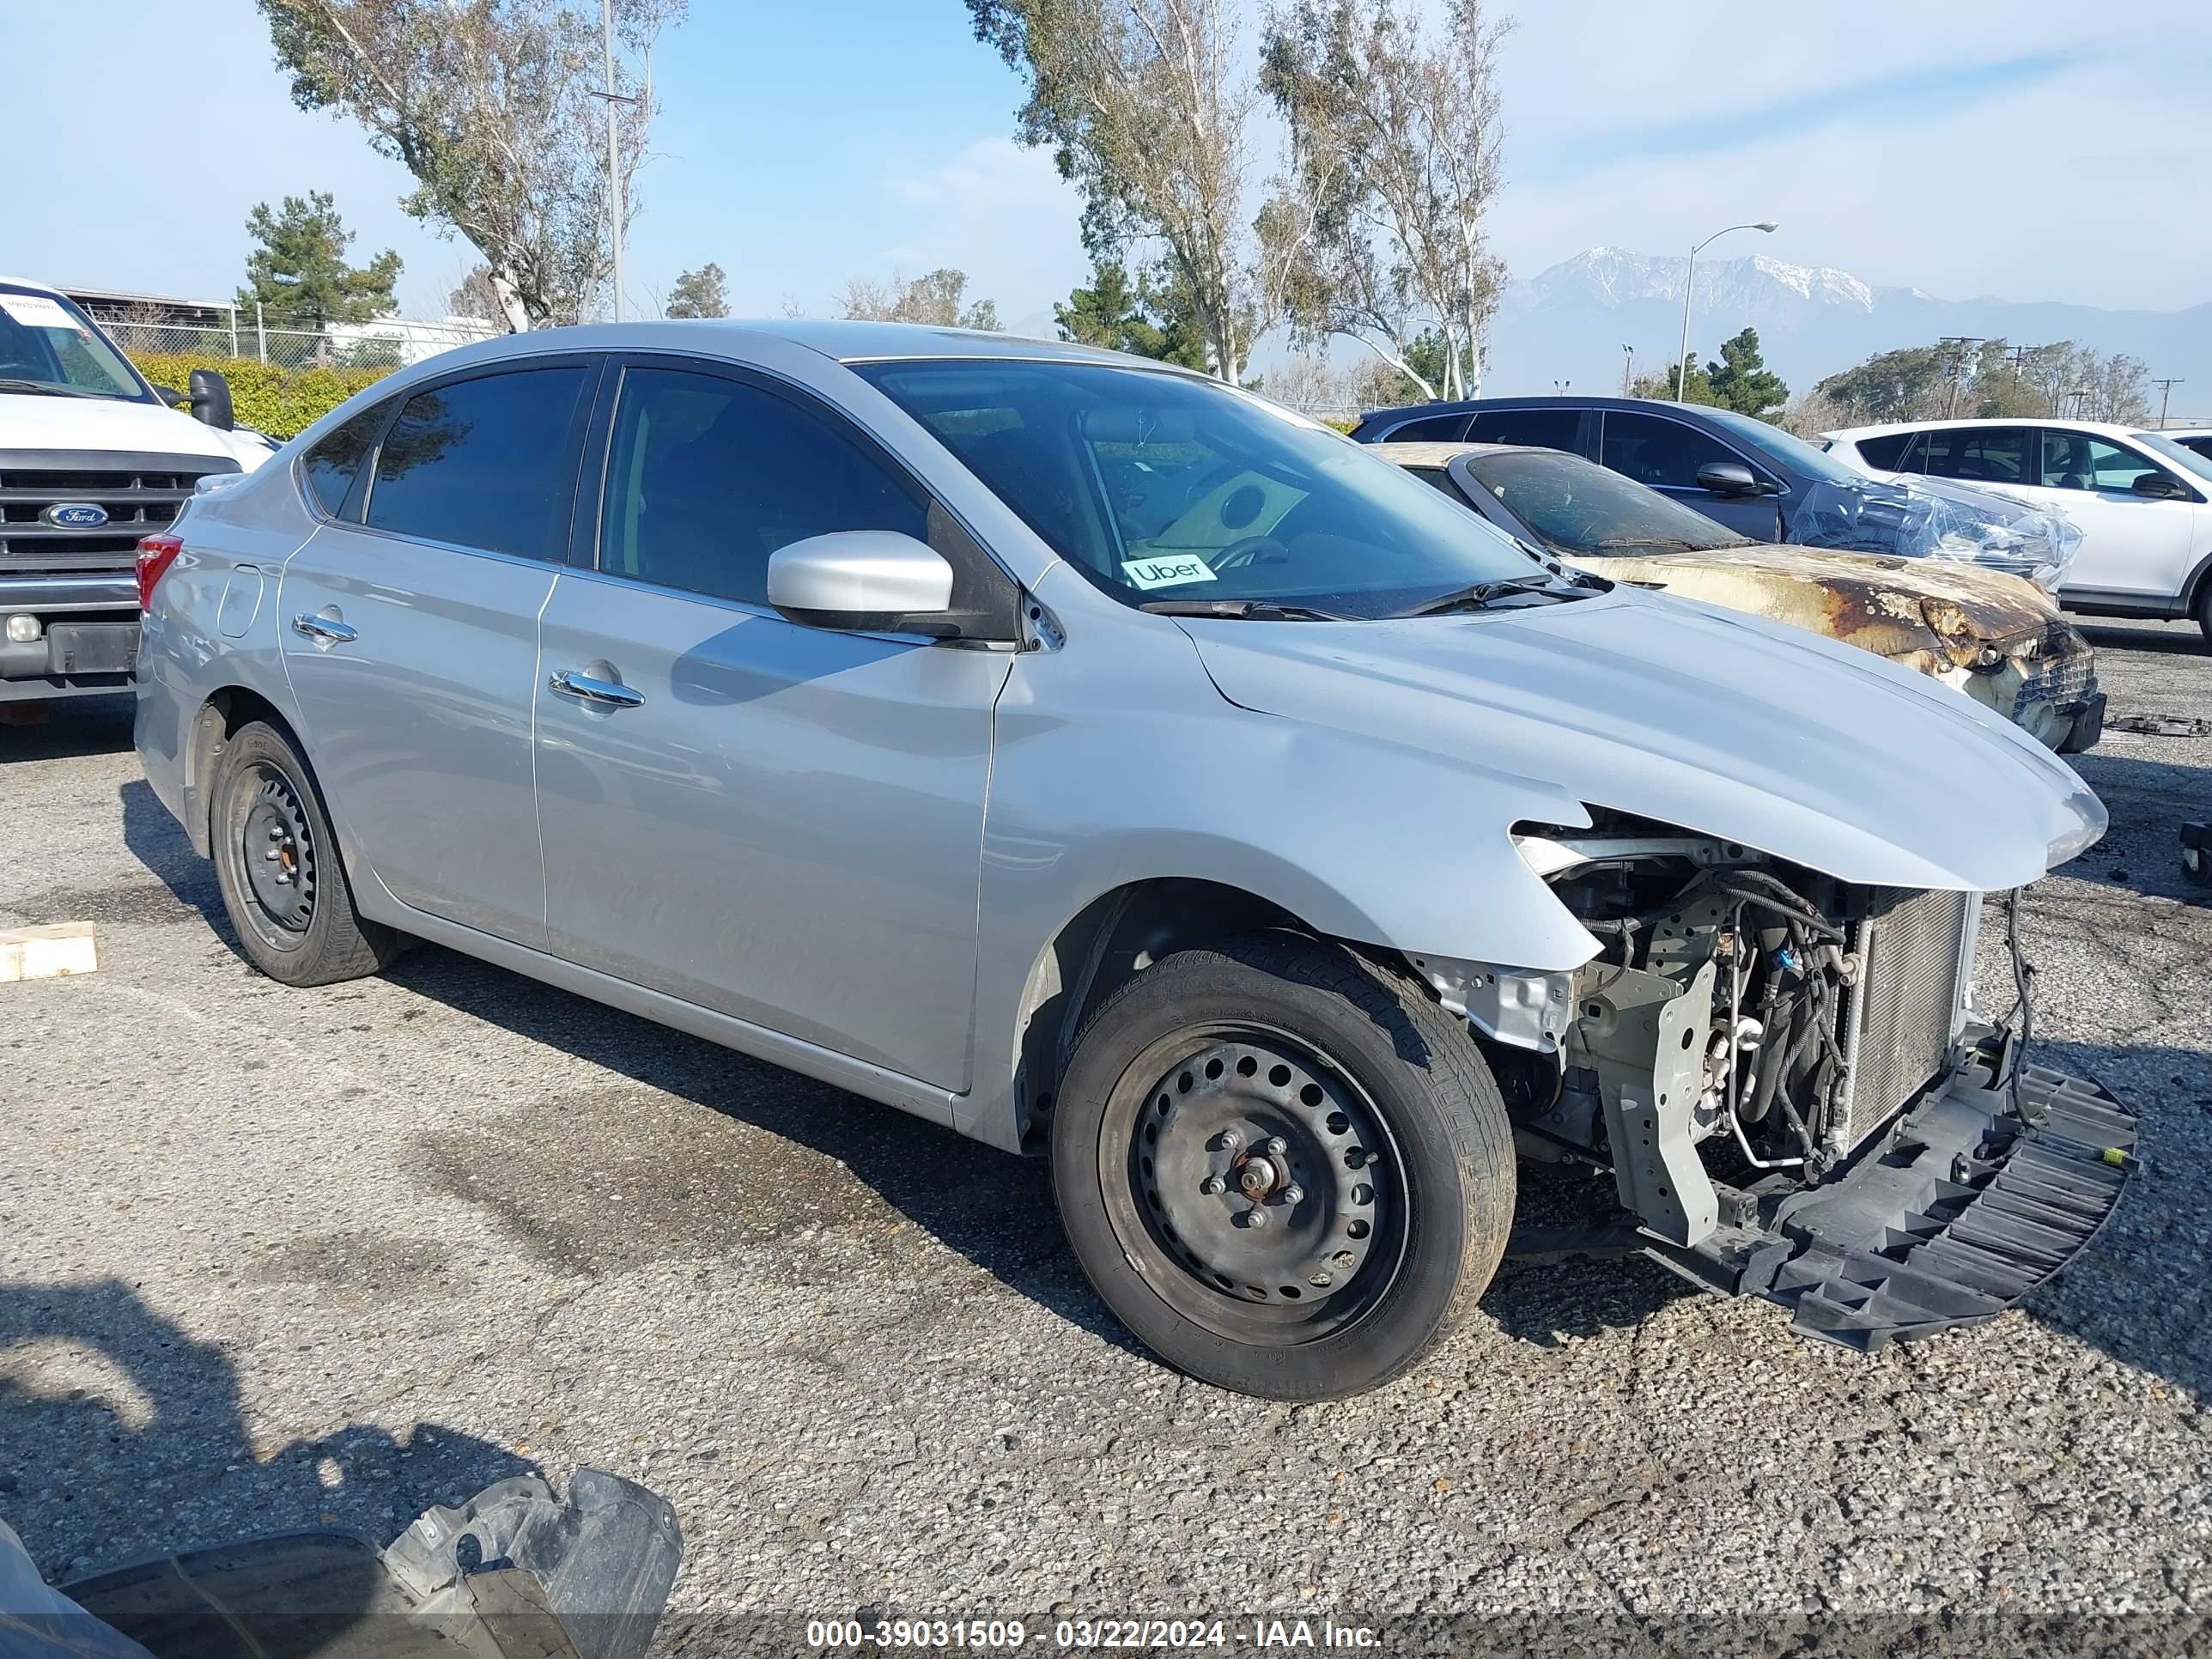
(46, 345)
(1579, 507)
(1781, 448)
(2174, 454)
(1160, 486)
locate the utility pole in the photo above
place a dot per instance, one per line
(614, 156)
(1559, 387)
(1962, 344)
(2164, 392)
(1627, 368)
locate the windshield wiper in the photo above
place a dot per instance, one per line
(1479, 594)
(49, 389)
(1665, 541)
(1242, 610)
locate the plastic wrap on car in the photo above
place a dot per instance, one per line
(1936, 518)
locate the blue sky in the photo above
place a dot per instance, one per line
(2037, 150)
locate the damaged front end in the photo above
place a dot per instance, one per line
(1994, 637)
(1780, 1074)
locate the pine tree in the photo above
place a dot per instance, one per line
(701, 293)
(1742, 382)
(298, 274)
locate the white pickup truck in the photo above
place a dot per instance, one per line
(93, 456)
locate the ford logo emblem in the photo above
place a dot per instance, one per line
(74, 515)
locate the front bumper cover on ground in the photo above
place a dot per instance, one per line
(1960, 1208)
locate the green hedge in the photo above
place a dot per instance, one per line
(279, 401)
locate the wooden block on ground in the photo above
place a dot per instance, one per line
(70, 947)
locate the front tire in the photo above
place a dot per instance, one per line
(277, 865)
(1286, 1079)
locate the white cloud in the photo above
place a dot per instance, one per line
(999, 212)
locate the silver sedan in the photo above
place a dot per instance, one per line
(1107, 763)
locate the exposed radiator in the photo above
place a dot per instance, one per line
(1899, 1019)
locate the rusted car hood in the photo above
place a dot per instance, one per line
(1929, 614)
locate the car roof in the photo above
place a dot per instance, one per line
(26, 281)
(1430, 454)
(2107, 429)
(842, 341)
(1477, 405)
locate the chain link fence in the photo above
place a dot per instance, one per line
(387, 343)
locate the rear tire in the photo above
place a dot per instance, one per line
(277, 864)
(1286, 1075)
(2203, 612)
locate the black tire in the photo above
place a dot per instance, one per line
(2204, 609)
(277, 864)
(1161, 1121)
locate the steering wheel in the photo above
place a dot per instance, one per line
(1249, 551)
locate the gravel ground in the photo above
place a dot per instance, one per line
(269, 1256)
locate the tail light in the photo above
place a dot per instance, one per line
(156, 555)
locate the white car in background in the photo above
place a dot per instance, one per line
(2142, 501)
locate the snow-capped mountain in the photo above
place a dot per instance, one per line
(1619, 277)
(1570, 322)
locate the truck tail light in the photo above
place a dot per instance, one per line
(156, 555)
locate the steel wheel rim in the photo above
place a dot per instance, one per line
(1210, 1126)
(276, 853)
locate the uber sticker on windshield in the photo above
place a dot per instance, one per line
(1171, 572)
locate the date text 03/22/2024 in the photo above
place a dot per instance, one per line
(1089, 1634)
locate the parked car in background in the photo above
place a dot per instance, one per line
(1754, 477)
(92, 457)
(2196, 437)
(1101, 760)
(2142, 499)
(1997, 638)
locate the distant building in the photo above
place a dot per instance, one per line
(153, 310)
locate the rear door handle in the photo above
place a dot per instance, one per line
(610, 693)
(328, 630)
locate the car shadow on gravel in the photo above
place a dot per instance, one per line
(789, 1172)
(157, 841)
(121, 1436)
(69, 727)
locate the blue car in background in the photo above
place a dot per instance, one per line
(1754, 477)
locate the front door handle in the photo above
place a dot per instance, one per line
(328, 630)
(609, 694)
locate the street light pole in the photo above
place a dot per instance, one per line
(1689, 283)
(614, 163)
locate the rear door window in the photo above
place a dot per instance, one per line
(1664, 453)
(331, 467)
(707, 476)
(1543, 428)
(489, 463)
(1980, 454)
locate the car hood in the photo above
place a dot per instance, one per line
(92, 425)
(1730, 725)
(1930, 614)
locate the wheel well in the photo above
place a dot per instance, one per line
(218, 719)
(1107, 943)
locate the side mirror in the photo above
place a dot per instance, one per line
(1727, 478)
(210, 399)
(2158, 487)
(863, 582)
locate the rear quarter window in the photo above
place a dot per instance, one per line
(1886, 451)
(331, 467)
